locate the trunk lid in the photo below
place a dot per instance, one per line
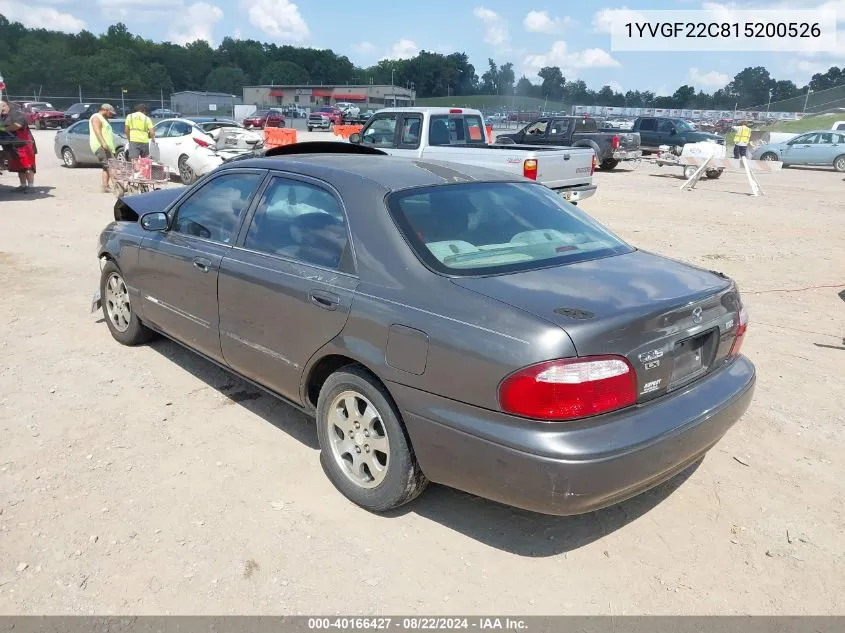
(673, 322)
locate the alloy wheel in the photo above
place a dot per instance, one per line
(359, 442)
(116, 302)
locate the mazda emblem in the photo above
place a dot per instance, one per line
(696, 315)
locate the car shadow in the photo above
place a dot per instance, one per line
(38, 192)
(502, 527)
(842, 295)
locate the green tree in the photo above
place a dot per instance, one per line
(553, 83)
(229, 79)
(284, 73)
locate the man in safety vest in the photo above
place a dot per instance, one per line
(742, 136)
(139, 130)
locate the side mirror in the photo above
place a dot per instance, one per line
(355, 138)
(156, 221)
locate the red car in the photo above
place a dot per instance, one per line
(265, 118)
(41, 114)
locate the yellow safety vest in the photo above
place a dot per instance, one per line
(743, 135)
(139, 125)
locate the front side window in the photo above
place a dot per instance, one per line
(490, 228)
(411, 127)
(807, 139)
(214, 212)
(381, 131)
(666, 126)
(301, 221)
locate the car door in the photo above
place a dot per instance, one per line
(178, 268)
(667, 133)
(648, 132)
(409, 135)
(559, 133)
(161, 133)
(822, 152)
(800, 150)
(535, 133)
(286, 289)
(78, 139)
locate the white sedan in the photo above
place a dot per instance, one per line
(194, 146)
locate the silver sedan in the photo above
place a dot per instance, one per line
(820, 147)
(72, 143)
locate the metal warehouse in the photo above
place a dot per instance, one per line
(199, 102)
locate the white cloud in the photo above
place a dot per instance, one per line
(540, 22)
(364, 48)
(36, 15)
(403, 49)
(195, 22)
(495, 27)
(279, 18)
(569, 61)
(603, 18)
(712, 79)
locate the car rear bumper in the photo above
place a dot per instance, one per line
(573, 468)
(628, 154)
(576, 193)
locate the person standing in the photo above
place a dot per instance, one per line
(101, 139)
(742, 136)
(140, 131)
(13, 121)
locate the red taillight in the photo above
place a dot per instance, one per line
(570, 388)
(594, 164)
(741, 328)
(529, 168)
(455, 111)
(201, 142)
(615, 142)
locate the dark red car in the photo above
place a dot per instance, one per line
(265, 118)
(41, 114)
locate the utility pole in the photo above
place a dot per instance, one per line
(123, 101)
(80, 93)
(769, 104)
(806, 99)
(162, 98)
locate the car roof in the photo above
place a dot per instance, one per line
(391, 173)
(431, 110)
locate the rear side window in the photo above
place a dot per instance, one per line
(648, 125)
(492, 228)
(456, 130)
(586, 125)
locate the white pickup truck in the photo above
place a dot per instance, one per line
(458, 135)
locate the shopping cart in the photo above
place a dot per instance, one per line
(137, 176)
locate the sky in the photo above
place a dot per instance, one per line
(573, 35)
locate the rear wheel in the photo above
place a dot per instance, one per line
(689, 170)
(185, 172)
(364, 448)
(125, 326)
(69, 158)
(609, 163)
(714, 173)
(42, 124)
(839, 163)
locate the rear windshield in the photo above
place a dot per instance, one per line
(491, 228)
(456, 130)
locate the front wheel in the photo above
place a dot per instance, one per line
(609, 163)
(310, 128)
(839, 163)
(42, 124)
(125, 326)
(770, 156)
(714, 173)
(364, 449)
(689, 170)
(69, 158)
(185, 172)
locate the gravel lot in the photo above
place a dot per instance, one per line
(147, 481)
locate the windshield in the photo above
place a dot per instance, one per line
(490, 228)
(326, 109)
(40, 107)
(77, 107)
(210, 126)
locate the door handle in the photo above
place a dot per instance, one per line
(202, 264)
(325, 300)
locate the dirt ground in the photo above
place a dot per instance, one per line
(147, 481)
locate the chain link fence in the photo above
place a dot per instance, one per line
(185, 104)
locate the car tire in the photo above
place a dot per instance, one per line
(714, 174)
(769, 156)
(42, 124)
(125, 326)
(385, 477)
(689, 170)
(186, 174)
(69, 158)
(610, 163)
(839, 163)
(309, 128)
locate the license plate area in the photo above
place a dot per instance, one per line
(693, 357)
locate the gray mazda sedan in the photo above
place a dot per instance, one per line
(441, 322)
